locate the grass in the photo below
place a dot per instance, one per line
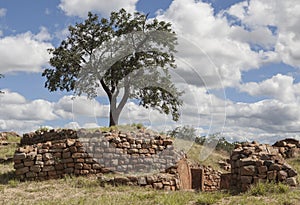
(264, 189)
(123, 128)
(212, 159)
(295, 163)
(9, 150)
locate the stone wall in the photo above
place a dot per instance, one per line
(253, 162)
(210, 178)
(143, 159)
(288, 148)
(147, 159)
(54, 159)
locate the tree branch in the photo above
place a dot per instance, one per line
(106, 89)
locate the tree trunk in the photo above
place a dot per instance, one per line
(114, 113)
(113, 116)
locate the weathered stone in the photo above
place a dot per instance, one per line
(42, 151)
(276, 167)
(41, 163)
(79, 155)
(59, 167)
(291, 173)
(31, 174)
(291, 181)
(78, 166)
(96, 166)
(22, 170)
(158, 185)
(19, 156)
(73, 149)
(48, 168)
(248, 170)
(49, 162)
(247, 161)
(59, 145)
(69, 170)
(81, 160)
(18, 165)
(268, 163)
(66, 155)
(71, 164)
(282, 175)
(28, 163)
(47, 156)
(132, 151)
(272, 175)
(52, 173)
(262, 169)
(35, 168)
(142, 181)
(121, 180)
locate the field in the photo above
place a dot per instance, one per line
(80, 190)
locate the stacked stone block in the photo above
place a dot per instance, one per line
(253, 162)
(54, 159)
(212, 179)
(52, 154)
(131, 152)
(288, 148)
(160, 181)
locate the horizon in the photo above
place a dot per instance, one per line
(238, 63)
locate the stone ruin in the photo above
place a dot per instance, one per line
(136, 158)
(147, 159)
(252, 163)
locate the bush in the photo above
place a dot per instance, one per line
(183, 132)
(221, 143)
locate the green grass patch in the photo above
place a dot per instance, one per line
(264, 189)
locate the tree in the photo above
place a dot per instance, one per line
(127, 55)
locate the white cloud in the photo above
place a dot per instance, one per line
(18, 114)
(43, 35)
(210, 45)
(24, 52)
(81, 8)
(284, 16)
(280, 87)
(69, 107)
(270, 116)
(14, 106)
(2, 12)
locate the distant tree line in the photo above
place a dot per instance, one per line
(189, 133)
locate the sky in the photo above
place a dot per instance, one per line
(238, 63)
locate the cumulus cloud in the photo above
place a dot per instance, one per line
(267, 115)
(209, 44)
(24, 52)
(280, 87)
(81, 8)
(18, 114)
(70, 107)
(280, 17)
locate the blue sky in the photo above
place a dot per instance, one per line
(238, 62)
